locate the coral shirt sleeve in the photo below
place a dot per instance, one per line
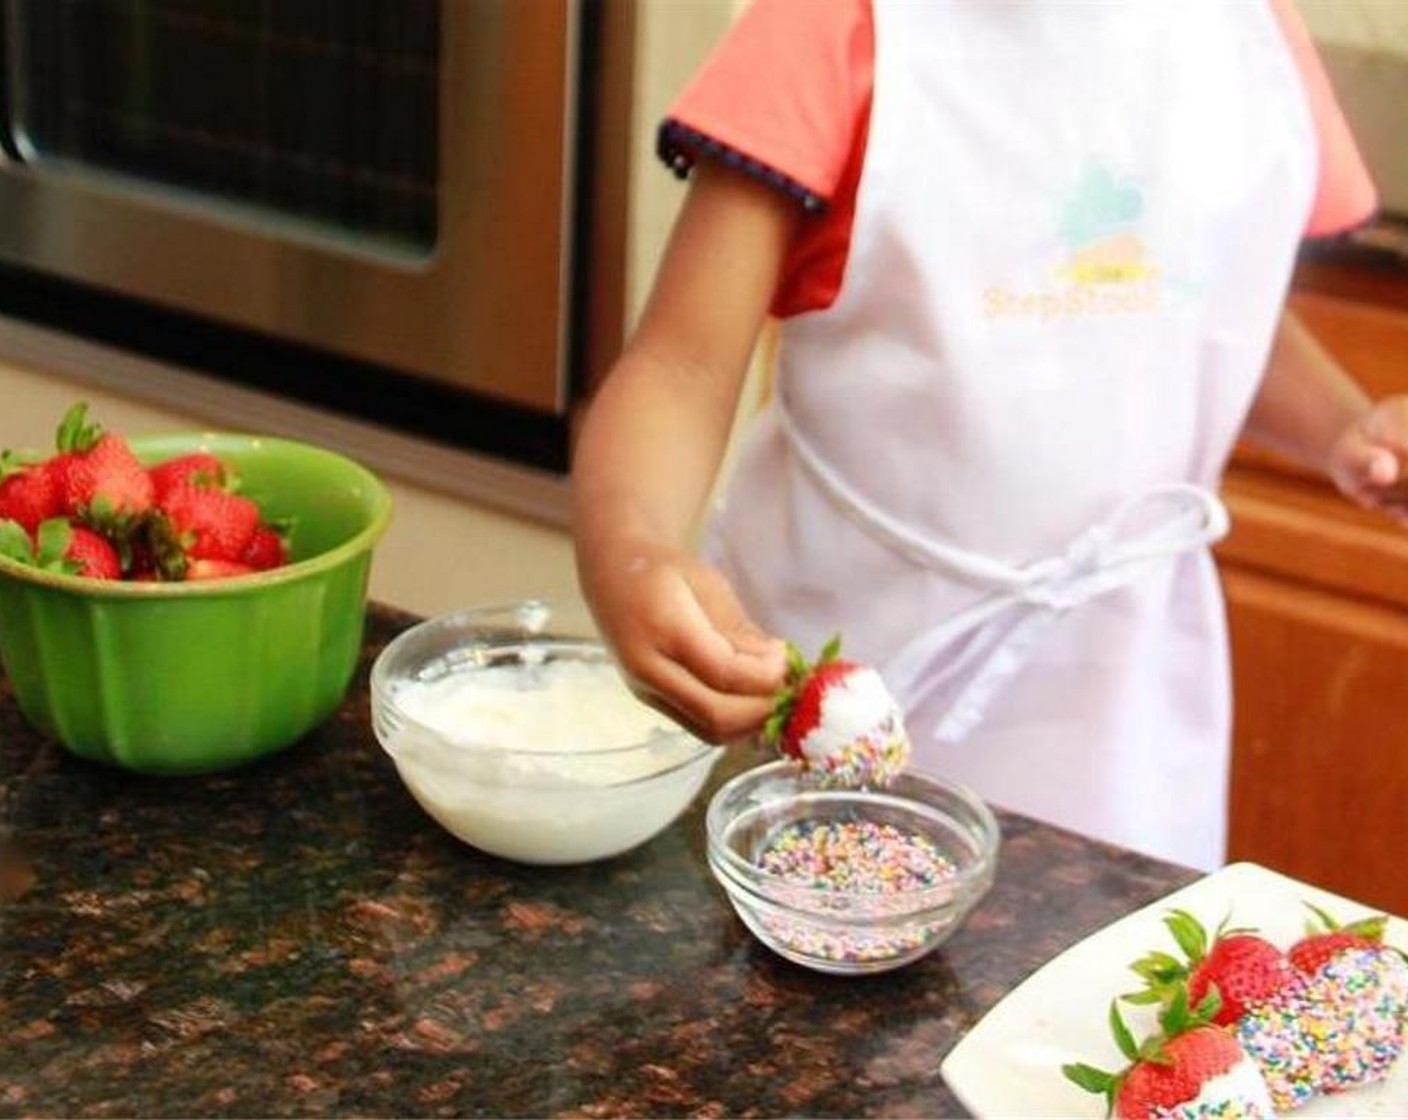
(779, 97)
(1345, 196)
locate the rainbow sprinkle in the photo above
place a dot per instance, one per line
(1339, 1030)
(871, 867)
(1226, 1109)
(1273, 1035)
(1369, 988)
(870, 760)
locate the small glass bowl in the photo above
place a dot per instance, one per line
(861, 929)
(548, 800)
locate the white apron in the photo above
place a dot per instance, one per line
(988, 465)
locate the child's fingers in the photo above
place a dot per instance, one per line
(1379, 468)
(1370, 470)
(1384, 452)
(1387, 425)
(719, 643)
(717, 717)
(689, 649)
(716, 660)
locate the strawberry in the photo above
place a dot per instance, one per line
(27, 492)
(1259, 996)
(204, 568)
(1356, 998)
(836, 718)
(91, 554)
(92, 507)
(98, 476)
(266, 550)
(210, 524)
(1188, 1068)
(198, 468)
(59, 545)
(1246, 969)
(1327, 939)
(62, 468)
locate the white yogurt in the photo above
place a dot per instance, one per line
(558, 707)
(551, 763)
(852, 709)
(1243, 1083)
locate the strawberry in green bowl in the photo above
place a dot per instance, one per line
(173, 653)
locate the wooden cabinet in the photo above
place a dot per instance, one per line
(1318, 608)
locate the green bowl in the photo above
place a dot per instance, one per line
(183, 678)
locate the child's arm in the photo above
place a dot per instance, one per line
(1311, 410)
(649, 449)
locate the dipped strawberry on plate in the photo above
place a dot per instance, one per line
(1356, 998)
(1325, 1016)
(1260, 997)
(836, 719)
(1190, 1068)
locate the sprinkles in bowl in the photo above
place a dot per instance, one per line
(850, 880)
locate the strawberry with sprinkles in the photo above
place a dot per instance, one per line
(1190, 1069)
(837, 720)
(1261, 998)
(1357, 992)
(1325, 1016)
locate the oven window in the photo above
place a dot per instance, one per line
(325, 111)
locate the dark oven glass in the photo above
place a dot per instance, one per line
(321, 110)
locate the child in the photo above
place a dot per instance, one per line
(1030, 260)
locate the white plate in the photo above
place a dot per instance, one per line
(1009, 1064)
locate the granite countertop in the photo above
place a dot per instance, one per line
(298, 938)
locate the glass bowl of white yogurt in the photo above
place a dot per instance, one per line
(525, 742)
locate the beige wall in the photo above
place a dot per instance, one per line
(675, 36)
(1372, 24)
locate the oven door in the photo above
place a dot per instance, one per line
(389, 180)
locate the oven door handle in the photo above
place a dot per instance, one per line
(9, 34)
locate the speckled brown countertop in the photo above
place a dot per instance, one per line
(299, 939)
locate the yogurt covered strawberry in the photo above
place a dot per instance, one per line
(838, 720)
(1190, 1069)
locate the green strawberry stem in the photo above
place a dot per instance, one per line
(14, 462)
(74, 432)
(49, 550)
(1372, 927)
(166, 547)
(15, 543)
(1177, 1018)
(52, 541)
(1164, 974)
(798, 670)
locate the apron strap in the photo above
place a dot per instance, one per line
(956, 563)
(962, 662)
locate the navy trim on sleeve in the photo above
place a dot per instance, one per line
(680, 146)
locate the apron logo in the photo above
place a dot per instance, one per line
(1106, 268)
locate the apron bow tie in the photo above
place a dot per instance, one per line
(1060, 586)
(962, 662)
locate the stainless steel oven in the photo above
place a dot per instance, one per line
(381, 205)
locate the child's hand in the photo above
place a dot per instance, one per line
(1369, 462)
(686, 645)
